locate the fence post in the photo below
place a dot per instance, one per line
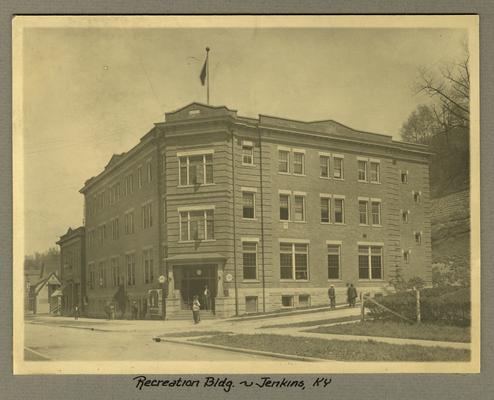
(417, 302)
(362, 308)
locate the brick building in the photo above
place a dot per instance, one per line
(266, 212)
(73, 270)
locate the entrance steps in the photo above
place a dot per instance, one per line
(186, 314)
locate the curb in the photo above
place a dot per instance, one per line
(246, 351)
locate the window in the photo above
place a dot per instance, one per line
(287, 301)
(298, 163)
(284, 207)
(117, 192)
(248, 204)
(91, 275)
(129, 223)
(405, 216)
(139, 177)
(416, 196)
(115, 272)
(334, 261)
(146, 216)
(325, 209)
(370, 262)
(404, 176)
(375, 169)
(163, 163)
(406, 256)
(131, 269)
(102, 234)
(338, 167)
(147, 260)
(196, 169)
(129, 184)
(247, 153)
(362, 171)
(149, 171)
(115, 231)
(249, 252)
(102, 274)
(362, 208)
(196, 225)
(250, 304)
(294, 261)
(339, 211)
(324, 166)
(283, 161)
(418, 237)
(299, 209)
(304, 300)
(376, 212)
(91, 238)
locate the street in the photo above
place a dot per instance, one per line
(59, 343)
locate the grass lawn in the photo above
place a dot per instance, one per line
(424, 331)
(314, 323)
(338, 349)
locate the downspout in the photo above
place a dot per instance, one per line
(262, 221)
(234, 224)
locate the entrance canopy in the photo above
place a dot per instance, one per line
(203, 258)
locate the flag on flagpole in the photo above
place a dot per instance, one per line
(204, 71)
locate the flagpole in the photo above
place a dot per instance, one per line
(207, 70)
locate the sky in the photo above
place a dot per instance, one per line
(90, 93)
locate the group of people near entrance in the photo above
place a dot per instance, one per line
(196, 305)
(351, 294)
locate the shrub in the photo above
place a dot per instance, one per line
(449, 305)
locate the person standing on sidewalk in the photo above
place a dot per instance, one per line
(76, 312)
(206, 294)
(352, 295)
(348, 295)
(332, 297)
(196, 307)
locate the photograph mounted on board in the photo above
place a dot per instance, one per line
(271, 194)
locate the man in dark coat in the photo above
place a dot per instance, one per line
(206, 298)
(332, 297)
(348, 295)
(352, 295)
(76, 312)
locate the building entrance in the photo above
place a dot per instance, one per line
(193, 282)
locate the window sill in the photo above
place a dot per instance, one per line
(371, 280)
(300, 222)
(249, 219)
(294, 280)
(363, 225)
(338, 179)
(339, 223)
(248, 165)
(197, 241)
(251, 281)
(283, 173)
(375, 183)
(335, 280)
(325, 177)
(294, 174)
(377, 226)
(199, 185)
(325, 223)
(360, 181)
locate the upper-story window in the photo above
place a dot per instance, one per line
(139, 176)
(115, 271)
(284, 161)
(149, 171)
(325, 209)
(406, 256)
(299, 208)
(146, 216)
(363, 211)
(248, 204)
(129, 223)
(418, 237)
(338, 167)
(375, 171)
(115, 231)
(196, 224)
(405, 216)
(91, 277)
(130, 261)
(129, 184)
(298, 162)
(284, 207)
(195, 168)
(417, 196)
(324, 161)
(247, 152)
(362, 171)
(376, 211)
(404, 176)
(339, 211)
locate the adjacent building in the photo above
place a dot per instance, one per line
(266, 212)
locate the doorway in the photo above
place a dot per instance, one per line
(192, 283)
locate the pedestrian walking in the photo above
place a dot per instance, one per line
(352, 294)
(196, 307)
(332, 297)
(76, 312)
(206, 296)
(134, 310)
(348, 295)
